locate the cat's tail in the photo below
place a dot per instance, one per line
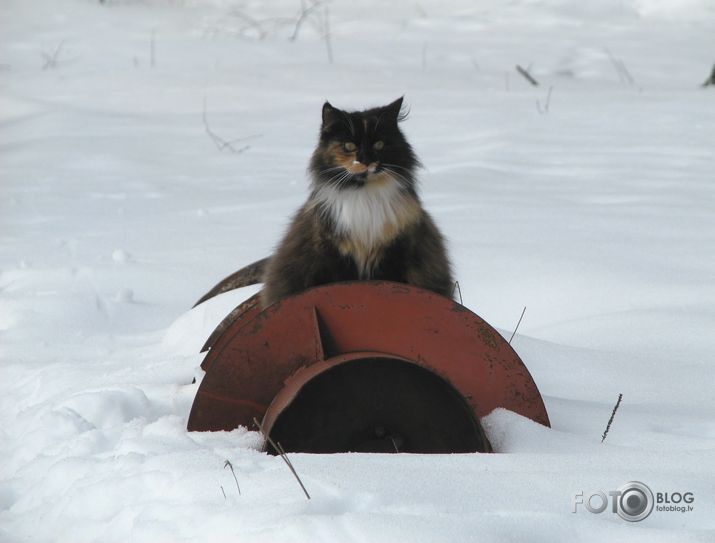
(249, 275)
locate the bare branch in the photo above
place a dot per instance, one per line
(544, 110)
(250, 22)
(279, 449)
(303, 15)
(710, 80)
(220, 143)
(51, 60)
(517, 325)
(228, 464)
(326, 34)
(527, 75)
(457, 289)
(310, 11)
(623, 74)
(608, 426)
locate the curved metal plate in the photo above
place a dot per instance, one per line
(246, 276)
(251, 361)
(244, 312)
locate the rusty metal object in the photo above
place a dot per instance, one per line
(371, 402)
(275, 355)
(246, 276)
(245, 311)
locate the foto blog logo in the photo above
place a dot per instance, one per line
(634, 501)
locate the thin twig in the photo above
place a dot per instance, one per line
(394, 444)
(290, 464)
(221, 143)
(52, 60)
(623, 74)
(544, 110)
(458, 290)
(305, 11)
(326, 34)
(282, 453)
(228, 464)
(608, 426)
(517, 325)
(261, 28)
(253, 23)
(710, 80)
(527, 75)
(223, 492)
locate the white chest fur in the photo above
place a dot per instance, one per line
(370, 215)
(367, 218)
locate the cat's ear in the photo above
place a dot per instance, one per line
(393, 111)
(330, 114)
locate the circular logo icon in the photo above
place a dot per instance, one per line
(635, 501)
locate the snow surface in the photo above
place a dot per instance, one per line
(117, 211)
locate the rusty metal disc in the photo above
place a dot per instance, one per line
(254, 359)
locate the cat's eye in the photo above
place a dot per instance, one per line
(349, 146)
(378, 145)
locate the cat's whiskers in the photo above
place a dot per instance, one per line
(343, 180)
(338, 169)
(333, 179)
(398, 167)
(399, 178)
(342, 173)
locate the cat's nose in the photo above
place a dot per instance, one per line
(359, 167)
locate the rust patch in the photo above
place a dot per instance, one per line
(459, 308)
(487, 336)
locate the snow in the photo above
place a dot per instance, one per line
(118, 211)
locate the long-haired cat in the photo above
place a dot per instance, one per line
(363, 218)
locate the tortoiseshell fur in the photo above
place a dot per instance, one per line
(363, 218)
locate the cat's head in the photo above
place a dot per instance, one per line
(359, 148)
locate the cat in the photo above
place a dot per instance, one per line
(363, 219)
